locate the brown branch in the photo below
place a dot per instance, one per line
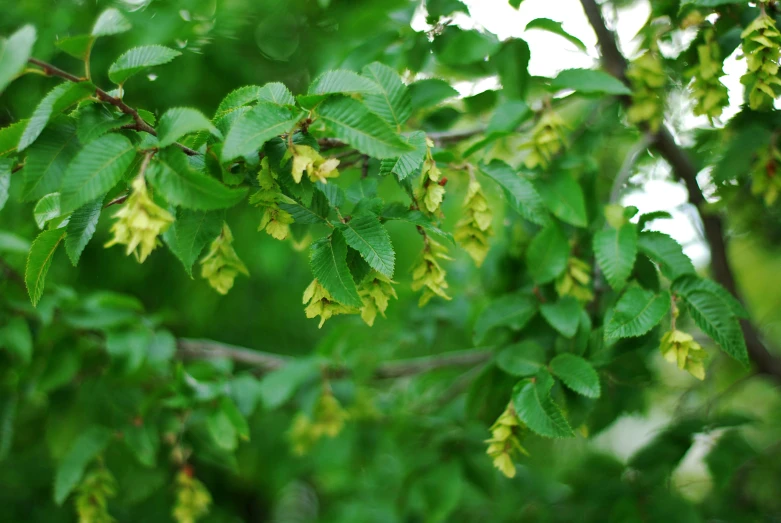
(267, 362)
(139, 125)
(684, 169)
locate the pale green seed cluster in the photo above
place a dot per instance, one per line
(762, 48)
(648, 80)
(92, 496)
(221, 264)
(429, 275)
(375, 292)
(765, 181)
(431, 192)
(474, 228)
(710, 95)
(139, 222)
(504, 446)
(328, 420)
(548, 139)
(275, 220)
(307, 160)
(192, 498)
(319, 302)
(680, 348)
(576, 281)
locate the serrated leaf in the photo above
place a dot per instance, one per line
(563, 315)
(171, 174)
(417, 218)
(513, 311)
(111, 22)
(616, 251)
(97, 168)
(636, 312)
(180, 121)
(512, 64)
(521, 359)
(39, 260)
(276, 93)
(350, 121)
(508, 116)
(70, 470)
(77, 46)
(577, 374)
(547, 255)
(14, 53)
(714, 317)
(589, 81)
(137, 59)
(254, 128)
(6, 166)
(47, 208)
(564, 198)
(191, 232)
(393, 104)
(328, 260)
(666, 252)
(546, 24)
(95, 120)
(9, 137)
(48, 159)
(303, 214)
(520, 191)
(430, 92)
(648, 217)
(81, 227)
(687, 284)
(55, 102)
(366, 235)
(408, 163)
(343, 82)
(534, 407)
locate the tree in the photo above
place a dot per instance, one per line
(485, 305)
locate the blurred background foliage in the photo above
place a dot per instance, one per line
(707, 451)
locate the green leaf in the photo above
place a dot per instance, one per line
(563, 315)
(47, 208)
(221, 429)
(637, 312)
(328, 260)
(430, 92)
(666, 252)
(14, 53)
(10, 136)
(11, 243)
(343, 82)
(534, 406)
(6, 166)
(403, 213)
(48, 159)
(521, 359)
(508, 116)
(254, 128)
(95, 120)
(714, 317)
(349, 120)
(546, 24)
(512, 64)
(739, 152)
(276, 93)
(615, 251)
(137, 59)
(234, 415)
(513, 311)
(55, 102)
(129, 346)
(589, 81)
(304, 215)
(16, 338)
(408, 163)
(98, 167)
(547, 255)
(70, 470)
(577, 374)
(278, 386)
(39, 260)
(237, 98)
(366, 235)
(171, 174)
(687, 284)
(520, 191)
(77, 46)
(81, 227)
(143, 441)
(180, 121)
(111, 22)
(457, 46)
(191, 232)
(564, 198)
(393, 104)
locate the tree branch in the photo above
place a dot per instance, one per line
(684, 169)
(267, 362)
(139, 125)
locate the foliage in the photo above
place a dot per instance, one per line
(357, 180)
